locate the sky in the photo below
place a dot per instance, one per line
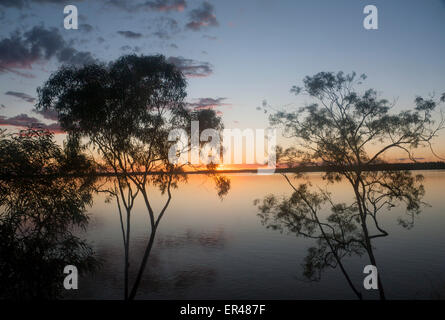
(237, 55)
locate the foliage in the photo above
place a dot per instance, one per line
(127, 109)
(39, 210)
(33, 152)
(338, 130)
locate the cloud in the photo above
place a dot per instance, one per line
(13, 3)
(21, 95)
(191, 68)
(166, 5)
(155, 5)
(202, 17)
(22, 3)
(72, 56)
(3, 106)
(129, 48)
(53, 127)
(86, 27)
(130, 34)
(47, 114)
(166, 28)
(121, 4)
(208, 103)
(22, 50)
(24, 121)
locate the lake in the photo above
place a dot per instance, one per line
(208, 248)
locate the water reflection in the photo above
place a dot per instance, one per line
(125, 189)
(349, 229)
(162, 275)
(214, 239)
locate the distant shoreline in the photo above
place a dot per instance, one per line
(375, 167)
(321, 168)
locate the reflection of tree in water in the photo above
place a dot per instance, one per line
(127, 110)
(337, 130)
(125, 190)
(214, 239)
(340, 233)
(38, 215)
(161, 277)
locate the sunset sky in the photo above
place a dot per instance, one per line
(237, 55)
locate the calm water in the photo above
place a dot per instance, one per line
(211, 249)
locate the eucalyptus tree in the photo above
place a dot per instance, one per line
(40, 209)
(126, 109)
(348, 131)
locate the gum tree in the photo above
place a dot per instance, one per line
(348, 131)
(126, 110)
(41, 207)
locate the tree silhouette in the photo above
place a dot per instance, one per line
(39, 210)
(126, 110)
(337, 130)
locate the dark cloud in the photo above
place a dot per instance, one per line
(71, 56)
(86, 27)
(208, 103)
(166, 28)
(54, 1)
(202, 17)
(191, 68)
(47, 114)
(44, 42)
(22, 50)
(13, 3)
(130, 34)
(53, 127)
(121, 4)
(17, 52)
(129, 48)
(3, 106)
(22, 3)
(166, 5)
(24, 121)
(21, 95)
(154, 5)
